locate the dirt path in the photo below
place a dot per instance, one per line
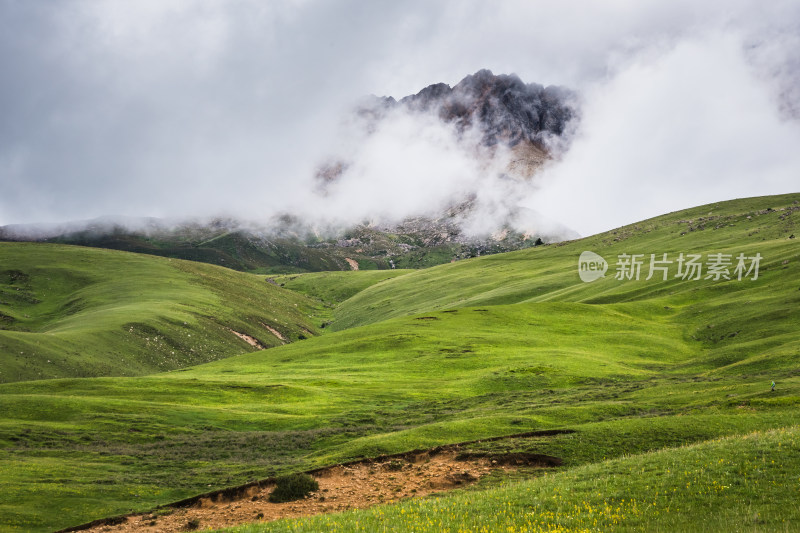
(352, 486)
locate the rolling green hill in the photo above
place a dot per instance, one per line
(757, 225)
(481, 348)
(67, 311)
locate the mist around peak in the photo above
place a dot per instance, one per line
(478, 144)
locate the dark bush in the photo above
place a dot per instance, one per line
(293, 487)
(192, 525)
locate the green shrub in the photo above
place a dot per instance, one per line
(293, 487)
(394, 465)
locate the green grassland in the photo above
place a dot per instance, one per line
(68, 311)
(481, 348)
(85, 448)
(333, 288)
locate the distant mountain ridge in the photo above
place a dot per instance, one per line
(521, 119)
(415, 243)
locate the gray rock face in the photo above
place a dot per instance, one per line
(503, 107)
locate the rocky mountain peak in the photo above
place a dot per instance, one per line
(506, 109)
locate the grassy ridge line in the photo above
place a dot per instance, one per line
(754, 225)
(738, 483)
(72, 311)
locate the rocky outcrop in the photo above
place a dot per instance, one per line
(503, 107)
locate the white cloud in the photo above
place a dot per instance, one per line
(690, 126)
(186, 107)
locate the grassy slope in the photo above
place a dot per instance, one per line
(331, 288)
(551, 273)
(68, 311)
(632, 366)
(335, 287)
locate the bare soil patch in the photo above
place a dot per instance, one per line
(252, 341)
(276, 333)
(350, 486)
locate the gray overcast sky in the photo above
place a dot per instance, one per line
(190, 107)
